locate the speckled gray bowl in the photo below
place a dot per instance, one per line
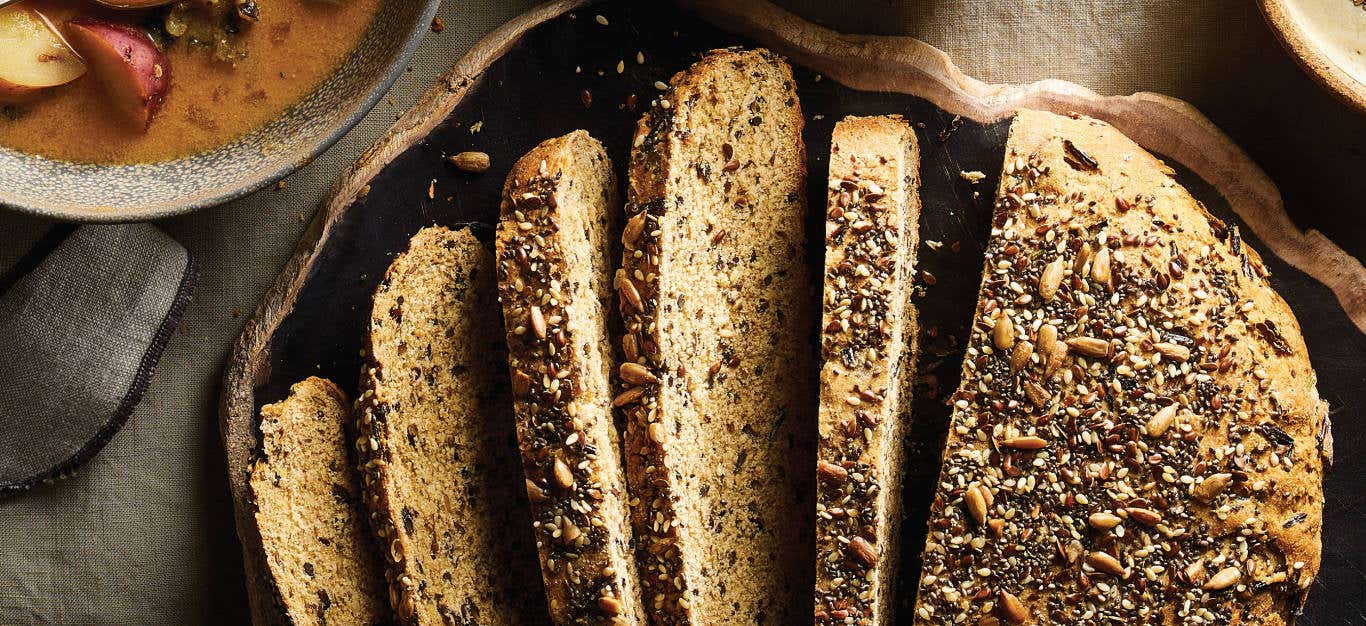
(133, 193)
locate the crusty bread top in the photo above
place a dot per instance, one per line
(322, 562)
(867, 370)
(1137, 437)
(718, 371)
(559, 206)
(436, 442)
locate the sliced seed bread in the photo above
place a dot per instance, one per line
(306, 492)
(437, 445)
(559, 209)
(1137, 437)
(717, 382)
(868, 366)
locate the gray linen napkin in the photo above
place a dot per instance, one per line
(84, 317)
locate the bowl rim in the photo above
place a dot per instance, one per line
(305, 155)
(1309, 56)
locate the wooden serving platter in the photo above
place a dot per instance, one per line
(555, 69)
(1328, 39)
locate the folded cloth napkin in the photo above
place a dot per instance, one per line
(84, 317)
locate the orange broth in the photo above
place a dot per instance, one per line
(295, 45)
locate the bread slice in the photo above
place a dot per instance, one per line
(437, 445)
(717, 383)
(868, 366)
(306, 493)
(1137, 437)
(560, 205)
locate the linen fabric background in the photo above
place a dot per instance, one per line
(143, 534)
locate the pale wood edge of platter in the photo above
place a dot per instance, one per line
(875, 63)
(1308, 54)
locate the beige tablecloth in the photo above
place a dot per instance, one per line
(144, 535)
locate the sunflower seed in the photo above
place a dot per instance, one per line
(863, 551)
(1051, 279)
(1019, 357)
(637, 374)
(1083, 257)
(609, 605)
(630, 396)
(1100, 267)
(1103, 562)
(1090, 346)
(1027, 442)
(1103, 521)
(832, 472)
(1211, 486)
(535, 493)
(1147, 517)
(1224, 579)
(1161, 421)
(1048, 339)
(634, 228)
(472, 162)
(1003, 333)
(538, 322)
(563, 477)
(1038, 396)
(1012, 609)
(1174, 351)
(629, 293)
(977, 506)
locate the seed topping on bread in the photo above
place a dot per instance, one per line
(563, 490)
(558, 208)
(661, 558)
(868, 347)
(436, 444)
(715, 302)
(1137, 436)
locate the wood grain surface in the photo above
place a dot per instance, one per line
(555, 69)
(1312, 53)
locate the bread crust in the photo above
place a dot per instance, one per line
(436, 445)
(1137, 436)
(716, 357)
(560, 204)
(869, 350)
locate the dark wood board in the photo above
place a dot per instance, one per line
(532, 89)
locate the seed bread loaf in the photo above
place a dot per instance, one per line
(559, 209)
(717, 381)
(436, 442)
(318, 550)
(1137, 437)
(868, 366)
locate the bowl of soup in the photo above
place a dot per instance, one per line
(130, 110)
